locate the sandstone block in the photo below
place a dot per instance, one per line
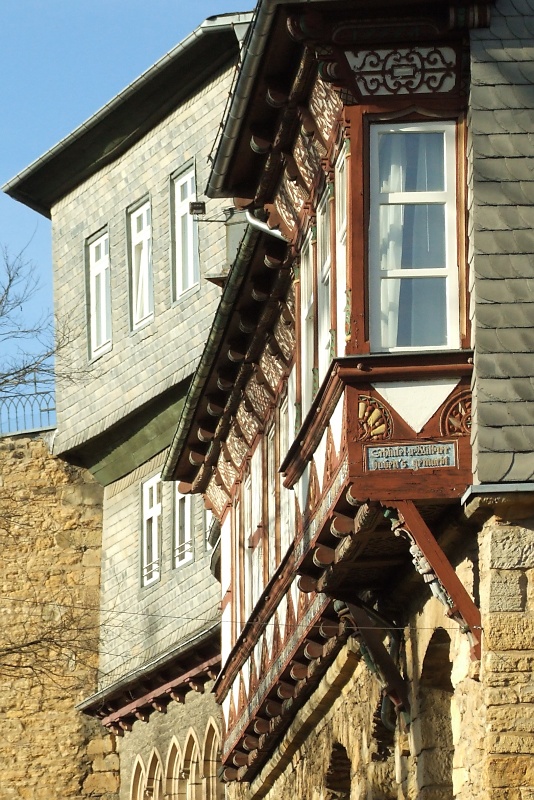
(100, 782)
(509, 771)
(508, 631)
(512, 547)
(516, 718)
(510, 743)
(507, 591)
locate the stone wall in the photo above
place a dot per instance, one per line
(50, 529)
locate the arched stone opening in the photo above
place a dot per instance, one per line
(337, 782)
(434, 765)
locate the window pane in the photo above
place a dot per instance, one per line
(412, 236)
(414, 312)
(411, 162)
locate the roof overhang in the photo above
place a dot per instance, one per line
(131, 114)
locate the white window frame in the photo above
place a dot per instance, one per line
(186, 266)
(324, 261)
(100, 338)
(449, 272)
(286, 495)
(151, 530)
(141, 273)
(340, 195)
(307, 324)
(182, 550)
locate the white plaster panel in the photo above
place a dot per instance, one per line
(416, 401)
(336, 424)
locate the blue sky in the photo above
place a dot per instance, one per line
(60, 61)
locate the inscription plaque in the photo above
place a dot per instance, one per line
(414, 455)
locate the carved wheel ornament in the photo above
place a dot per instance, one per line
(374, 420)
(456, 416)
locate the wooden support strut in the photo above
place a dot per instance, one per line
(445, 573)
(396, 686)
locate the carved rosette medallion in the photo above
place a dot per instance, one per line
(456, 416)
(404, 70)
(374, 420)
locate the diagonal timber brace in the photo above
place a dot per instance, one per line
(460, 605)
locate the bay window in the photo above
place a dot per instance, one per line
(413, 271)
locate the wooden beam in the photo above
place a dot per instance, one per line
(372, 637)
(442, 568)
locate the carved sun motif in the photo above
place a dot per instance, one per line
(374, 420)
(456, 416)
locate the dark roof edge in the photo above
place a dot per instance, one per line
(222, 315)
(260, 28)
(158, 663)
(222, 23)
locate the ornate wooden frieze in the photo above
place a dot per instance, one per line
(227, 471)
(284, 206)
(316, 605)
(325, 106)
(272, 368)
(296, 195)
(217, 496)
(248, 423)
(374, 420)
(290, 301)
(456, 416)
(314, 526)
(237, 448)
(307, 157)
(259, 396)
(285, 338)
(404, 70)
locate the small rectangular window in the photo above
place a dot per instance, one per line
(323, 285)
(413, 270)
(186, 262)
(151, 523)
(307, 324)
(340, 193)
(183, 529)
(141, 278)
(99, 296)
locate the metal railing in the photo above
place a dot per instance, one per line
(20, 413)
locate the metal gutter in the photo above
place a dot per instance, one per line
(487, 489)
(215, 24)
(217, 330)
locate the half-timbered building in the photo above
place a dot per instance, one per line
(351, 423)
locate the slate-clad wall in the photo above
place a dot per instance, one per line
(139, 624)
(145, 362)
(502, 242)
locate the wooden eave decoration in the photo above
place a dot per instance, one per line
(240, 352)
(289, 693)
(154, 692)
